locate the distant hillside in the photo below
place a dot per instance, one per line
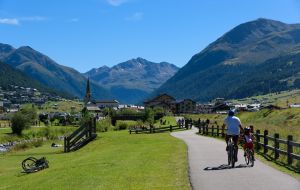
(10, 76)
(254, 58)
(48, 72)
(132, 81)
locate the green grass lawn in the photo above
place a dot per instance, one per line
(115, 160)
(168, 120)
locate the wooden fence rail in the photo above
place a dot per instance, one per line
(262, 141)
(80, 136)
(153, 129)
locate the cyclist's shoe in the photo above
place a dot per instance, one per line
(244, 154)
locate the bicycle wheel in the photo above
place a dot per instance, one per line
(232, 156)
(247, 156)
(252, 158)
(29, 164)
(229, 156)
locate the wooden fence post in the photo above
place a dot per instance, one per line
(212, 130)
(266, 140)
(199, 129)
(257, 136)
(276, 146)
(218, 130)
(95, 125)
(206, 129)
(252, 128)
(65, 144)
(223, 131)
(289, 149)
(171, 128)
(186, 123)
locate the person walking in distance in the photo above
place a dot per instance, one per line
(234, 126)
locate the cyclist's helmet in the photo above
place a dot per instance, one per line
(231, 113)
(247, 130)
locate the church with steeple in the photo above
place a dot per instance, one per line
(89, 105)
(87, 97)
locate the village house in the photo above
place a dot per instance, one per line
(92, 107)
(204, 108)
(164, 101)
(107, 104)
(167, 102)
(186, 106)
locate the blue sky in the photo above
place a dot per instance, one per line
(86, 34)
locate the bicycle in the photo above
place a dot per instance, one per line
(249, 156)
(33, 164)
(231, 152)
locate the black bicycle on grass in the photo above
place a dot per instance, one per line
(33, 164)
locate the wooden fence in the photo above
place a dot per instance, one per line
(80, 136)
(181, 125)
(262, 141)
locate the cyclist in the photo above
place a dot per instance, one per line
(248, 138)
(234, 126)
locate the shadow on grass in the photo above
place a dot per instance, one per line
(225, 167)
(279, 163)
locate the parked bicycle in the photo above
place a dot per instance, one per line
(33, 164)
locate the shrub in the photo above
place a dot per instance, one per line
(104, 125)
(121, 125)
(19, 122)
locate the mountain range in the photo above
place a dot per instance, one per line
(129, 82)
(256, 57)
(10, 76)
(48, 72)
(133, 81)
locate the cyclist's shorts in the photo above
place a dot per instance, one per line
(248, 145)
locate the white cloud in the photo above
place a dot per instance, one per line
(33, 18)
(9, 21)
(135, 17)
(17, 21)
(116, 2)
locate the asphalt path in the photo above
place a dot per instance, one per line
(208, 168)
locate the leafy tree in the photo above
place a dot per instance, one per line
(149, 116)
(23, 119)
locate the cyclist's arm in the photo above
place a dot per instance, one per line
(241, 128)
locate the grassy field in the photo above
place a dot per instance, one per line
(282, 99)
(4, 123)
(166, 121)
(115, 160)
(62, 106)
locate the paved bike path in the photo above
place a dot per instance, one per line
(209, 171)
